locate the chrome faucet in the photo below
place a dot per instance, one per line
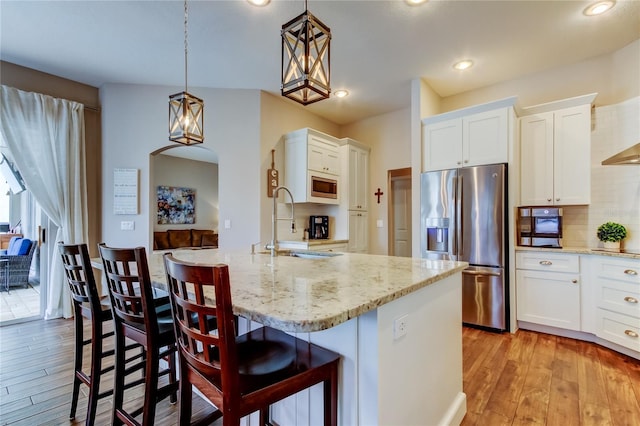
(275, 219)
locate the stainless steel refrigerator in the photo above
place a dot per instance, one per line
(463, 217)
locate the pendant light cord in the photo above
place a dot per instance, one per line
(186, 17)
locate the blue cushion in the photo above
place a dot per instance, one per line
(20, 247)
(13, 245)
(25, 245)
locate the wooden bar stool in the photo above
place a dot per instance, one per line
(88, 304)
(238, 374)
(139, 317)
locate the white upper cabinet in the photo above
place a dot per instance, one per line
(442, 145)
(311, 157)
(555, 157)
(323, 155)
(470, 137)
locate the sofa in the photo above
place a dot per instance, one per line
(185, 238)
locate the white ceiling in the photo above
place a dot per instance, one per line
(377, 48)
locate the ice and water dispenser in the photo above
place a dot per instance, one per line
(438, 234)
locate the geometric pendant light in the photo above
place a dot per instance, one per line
(306, 59)
(186, 112)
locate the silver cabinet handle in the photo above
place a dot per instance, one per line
(557, 199)
(574, 281)
(630, 272)
(549, 199)
(546, 262)
(631, 333)
(630, 299)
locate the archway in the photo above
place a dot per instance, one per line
(189, 174)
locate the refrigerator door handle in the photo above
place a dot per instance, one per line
(454, 219)
(459, 221)
(483, 272)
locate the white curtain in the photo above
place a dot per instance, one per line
(45, 137)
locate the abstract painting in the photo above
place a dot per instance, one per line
(176, 205)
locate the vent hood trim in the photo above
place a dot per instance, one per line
(627, 157)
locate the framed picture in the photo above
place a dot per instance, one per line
(176, 205)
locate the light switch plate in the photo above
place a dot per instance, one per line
(379, 223)
(127, 225)
(227, 224)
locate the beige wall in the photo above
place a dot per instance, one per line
(389, 136)
(613, 76)
(279, 116)
(36, 81)
(199, 175)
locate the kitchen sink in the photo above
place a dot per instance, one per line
(314, 254)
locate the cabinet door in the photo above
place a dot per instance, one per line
(358, 178)
(485, 138)
(323, 156)
(572, 155)
(442, 145)
(536, 160)
(548, 298)
(358, 232)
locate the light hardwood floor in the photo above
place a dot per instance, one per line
(509, 379)
(538, 379)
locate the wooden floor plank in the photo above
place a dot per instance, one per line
(564, 407)
(534, 399)
(624, 407)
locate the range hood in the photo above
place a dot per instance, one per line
(628, 156)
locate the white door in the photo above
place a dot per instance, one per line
(400, 216)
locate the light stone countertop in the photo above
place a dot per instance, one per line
(303, 295)
(583, 250)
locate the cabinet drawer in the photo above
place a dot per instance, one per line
(617, 328)
(545, 261)
(619, 297)
(617, 269)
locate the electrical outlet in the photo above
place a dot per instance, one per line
(400, 326)
(227, 224)
(379, 223)
(127, 225)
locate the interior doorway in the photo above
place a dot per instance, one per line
(26, 302)
(399, 186)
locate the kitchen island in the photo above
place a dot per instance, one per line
(396, 321)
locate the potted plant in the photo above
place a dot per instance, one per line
(611, 233)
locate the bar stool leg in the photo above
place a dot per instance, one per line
(77, 364)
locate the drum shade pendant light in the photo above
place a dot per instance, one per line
(185, 110)
(306, 59)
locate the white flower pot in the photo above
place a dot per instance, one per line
(612, 246)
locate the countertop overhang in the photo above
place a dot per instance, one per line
(303, 295)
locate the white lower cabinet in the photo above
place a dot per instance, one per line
(358, 233)
(548, 289)
(617, 298)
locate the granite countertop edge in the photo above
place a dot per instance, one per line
(581, 250)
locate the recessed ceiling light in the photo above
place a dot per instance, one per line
(463, 65)
(415, 2)
(340, 93)
(259, 2)
(599, 7)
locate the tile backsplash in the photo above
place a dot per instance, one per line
(615, 190)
